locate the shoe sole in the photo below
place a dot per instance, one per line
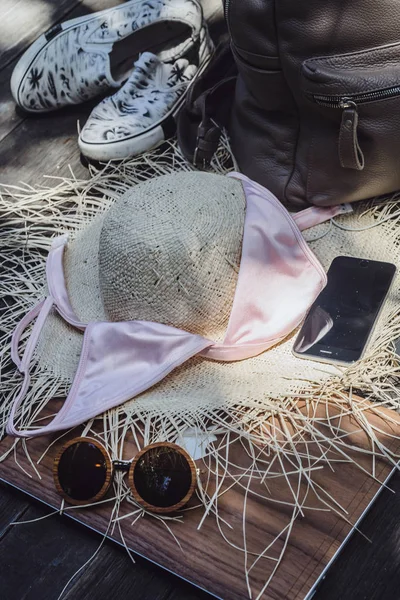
(150, 139)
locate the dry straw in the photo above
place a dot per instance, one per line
(281, 437)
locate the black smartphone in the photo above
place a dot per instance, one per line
(341, 320)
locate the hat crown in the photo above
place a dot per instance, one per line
(170, 252)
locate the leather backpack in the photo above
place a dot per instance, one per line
(315, 112)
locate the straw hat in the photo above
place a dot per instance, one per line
(168, 251)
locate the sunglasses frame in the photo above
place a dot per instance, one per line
(159, 509)
(109, 475)
(129, 466)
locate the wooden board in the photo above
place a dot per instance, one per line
(205, 559)
(367, 568)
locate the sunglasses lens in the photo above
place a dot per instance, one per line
(82, 471)
(162, 476)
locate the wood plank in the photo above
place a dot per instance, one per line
(119, 578)
(13, 504)
(42, 146)
(41, 552)
(369, 569)
(22, 21)
(208, 561)
(9, 117)
(185, 591)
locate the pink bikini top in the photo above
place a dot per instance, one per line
(279, 279)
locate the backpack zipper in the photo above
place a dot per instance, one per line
(350, 153)
(227, 4)
(340, 101)
(226, 9)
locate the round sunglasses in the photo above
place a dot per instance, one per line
(162, 476)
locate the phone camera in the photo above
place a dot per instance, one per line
(363, 264)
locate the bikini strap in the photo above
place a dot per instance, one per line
(309, 217)
(315, 215)
(57, 285)
(40, 313)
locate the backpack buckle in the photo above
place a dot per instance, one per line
(207, 140)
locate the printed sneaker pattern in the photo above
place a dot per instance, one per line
(151, 92)
(74, 66)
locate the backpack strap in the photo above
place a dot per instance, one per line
(207, 108)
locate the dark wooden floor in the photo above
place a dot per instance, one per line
(37, 560)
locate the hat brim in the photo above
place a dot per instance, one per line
(202, 383)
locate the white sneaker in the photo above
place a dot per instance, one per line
(140, 116)
(70, 63)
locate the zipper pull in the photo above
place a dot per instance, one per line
(350, 153)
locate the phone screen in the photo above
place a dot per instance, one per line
(341, 320)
